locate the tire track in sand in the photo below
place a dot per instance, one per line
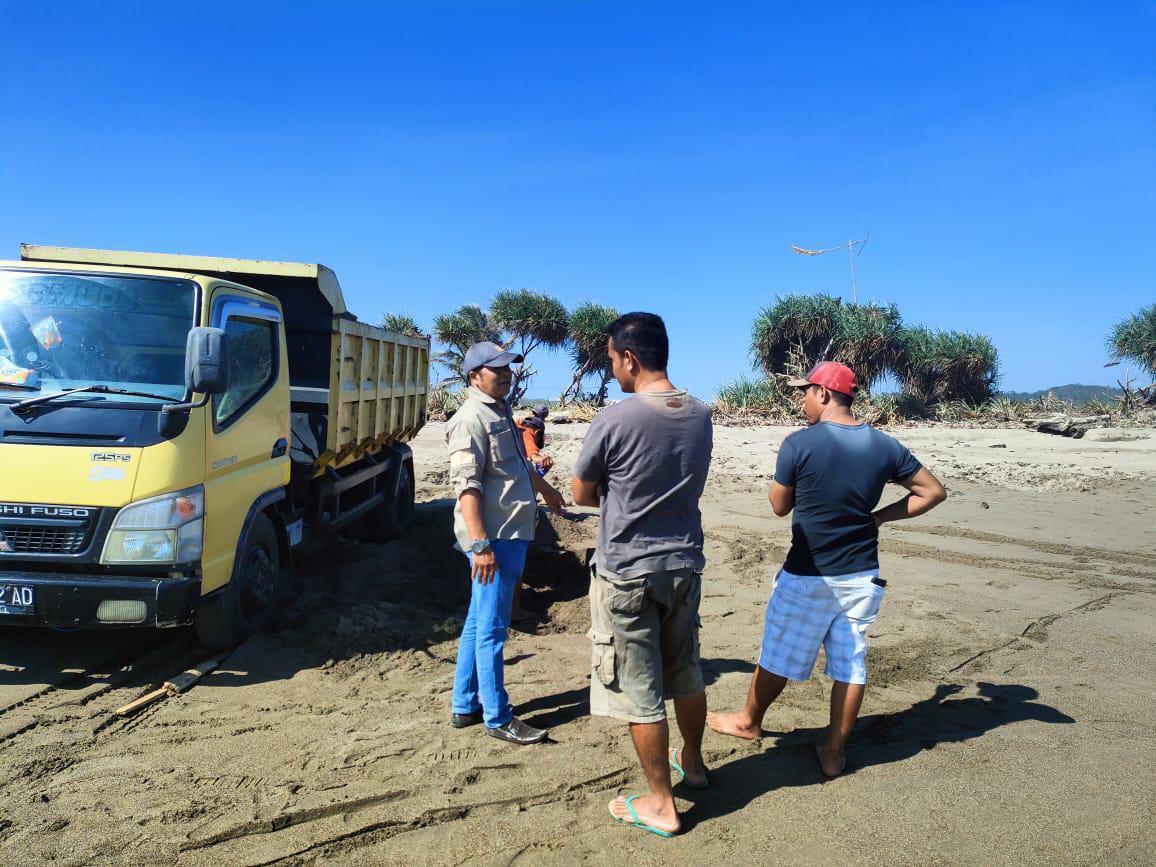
(1108, 555)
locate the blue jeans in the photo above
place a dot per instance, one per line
(479, 680)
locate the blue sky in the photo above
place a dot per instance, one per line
(655, 156)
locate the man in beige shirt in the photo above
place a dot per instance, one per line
(494, 523)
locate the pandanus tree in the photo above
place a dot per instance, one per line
(460, 330)
(1134, 339)
(946, 366)
(530, 320)
(868, 340)
(587, 332)
(518, 319)
(798, 331)
(402, 323)
(794, 331)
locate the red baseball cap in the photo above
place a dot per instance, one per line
(830, 374)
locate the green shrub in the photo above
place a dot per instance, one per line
(442, 403)
(878, 409)
(758, 397)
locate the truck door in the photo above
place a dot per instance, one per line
(247, 450)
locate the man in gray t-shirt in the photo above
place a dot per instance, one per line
(644, 461)
(650, 454)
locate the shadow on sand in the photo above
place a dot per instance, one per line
(351, 600)
(879, 739)
(552, 711)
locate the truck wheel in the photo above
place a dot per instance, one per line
(245, 605)
(392, 518)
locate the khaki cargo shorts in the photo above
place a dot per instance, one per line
(645, 635)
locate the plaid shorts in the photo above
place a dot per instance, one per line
(806, 611)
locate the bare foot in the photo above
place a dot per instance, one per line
(694, 772)
(737, 725)
(831, 765)
(664, 819)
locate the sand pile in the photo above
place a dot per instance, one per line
(360, 600)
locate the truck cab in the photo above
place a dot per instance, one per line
(170, 426)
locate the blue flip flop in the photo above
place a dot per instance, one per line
(637, 822)
(678, 768)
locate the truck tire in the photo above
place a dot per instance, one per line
(246, 604)
(392, 518)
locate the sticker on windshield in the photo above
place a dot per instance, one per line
(47, 333)
(14, 374)
(75, 293)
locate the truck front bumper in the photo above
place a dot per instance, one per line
(72, 601)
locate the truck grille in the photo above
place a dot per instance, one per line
(43, 540)
(46, 530)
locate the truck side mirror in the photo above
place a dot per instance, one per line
(207, 361)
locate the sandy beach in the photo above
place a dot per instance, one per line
(1009, 718)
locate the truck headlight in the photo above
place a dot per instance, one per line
(166, 529)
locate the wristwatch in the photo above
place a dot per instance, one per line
(479, 545)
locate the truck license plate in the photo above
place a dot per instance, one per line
(17, 599)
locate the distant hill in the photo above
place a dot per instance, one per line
(1073, 393)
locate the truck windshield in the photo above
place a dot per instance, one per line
(65, 330)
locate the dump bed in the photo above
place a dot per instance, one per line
(354, 387)
(377, 389)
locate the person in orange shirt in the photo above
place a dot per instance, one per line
(533, 430)
(532, 427)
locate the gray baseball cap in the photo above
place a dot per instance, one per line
(486, 354)
(541, 410)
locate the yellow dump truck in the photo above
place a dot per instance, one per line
(172, 426)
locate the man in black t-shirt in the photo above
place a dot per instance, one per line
(829, 591)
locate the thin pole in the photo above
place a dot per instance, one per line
(850, 245)
(851, 256)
